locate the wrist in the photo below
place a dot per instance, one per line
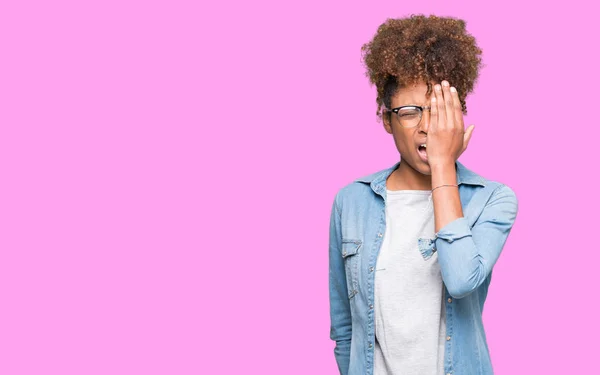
(443, 173)
(442, 165)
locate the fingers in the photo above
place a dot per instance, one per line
(448, 104)
(457, 112)
(447, 118)
(446, 110)
(438, 110)
(433, 120)
(467, 138)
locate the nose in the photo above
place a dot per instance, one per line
(425, 119)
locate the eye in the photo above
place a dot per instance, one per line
(408, 112)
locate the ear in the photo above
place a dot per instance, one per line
(385, 116)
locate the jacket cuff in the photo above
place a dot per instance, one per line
(455, 230)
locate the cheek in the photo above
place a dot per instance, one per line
(403, 143)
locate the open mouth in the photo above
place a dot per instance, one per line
(422, 151)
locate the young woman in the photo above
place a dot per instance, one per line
(412, 247)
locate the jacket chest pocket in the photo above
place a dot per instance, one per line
(350, 253)
(427, 247)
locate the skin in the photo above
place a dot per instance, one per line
(442, 129)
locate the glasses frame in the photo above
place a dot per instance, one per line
(420, 108)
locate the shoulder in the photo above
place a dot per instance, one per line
(494, 199)
(361, 189)
(352, 192)
(491, 188)
(499, 190)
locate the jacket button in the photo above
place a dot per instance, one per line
(370, 345)
(448, 338)
(371, 307)
(450, 300)
(379, 234)
(371, 269)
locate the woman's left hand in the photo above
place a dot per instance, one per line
(446, 137)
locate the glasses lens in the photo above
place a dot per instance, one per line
(409, 117)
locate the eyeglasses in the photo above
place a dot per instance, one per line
(409, 116)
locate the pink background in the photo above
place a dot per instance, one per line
(167, 171)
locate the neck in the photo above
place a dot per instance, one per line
(406, 177)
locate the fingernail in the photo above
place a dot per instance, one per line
(433, 99)
(452, 89)
(438, 87)
(445, 83)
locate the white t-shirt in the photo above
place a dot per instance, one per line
(410, 324)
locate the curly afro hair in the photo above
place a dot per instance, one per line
(416, 49)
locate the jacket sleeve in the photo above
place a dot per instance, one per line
(341, 320)
(466, 255)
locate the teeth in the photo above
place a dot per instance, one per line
(424, 145)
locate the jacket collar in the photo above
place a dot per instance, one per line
(463, 176)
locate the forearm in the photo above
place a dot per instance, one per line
(467, 252)
(341, 319)
(446, 200)
(460, 262)
(342, 356)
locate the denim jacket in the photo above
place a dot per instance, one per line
(468, 247)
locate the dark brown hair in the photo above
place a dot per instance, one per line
(424, 49)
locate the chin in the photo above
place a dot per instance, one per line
(423, 168)
(426, 171)
(419, 165)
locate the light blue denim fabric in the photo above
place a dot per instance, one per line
(467, 247)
